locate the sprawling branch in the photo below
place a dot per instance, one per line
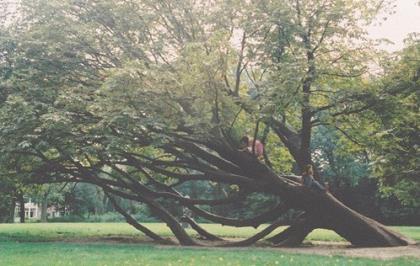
(256, 221)
(256, 237)
(134, 223)
(200, 230)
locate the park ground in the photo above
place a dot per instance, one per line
(119, 244)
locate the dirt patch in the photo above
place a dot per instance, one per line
(340, 249)
(335, 249)
(311, 248)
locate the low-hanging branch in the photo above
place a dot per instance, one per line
(200, 230)
(130, 220)
(256, 221)
(251, 240)
(138, 178)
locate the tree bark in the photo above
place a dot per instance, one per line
(12, 210)
(21, 201)
(323, 210)
(294, 234)
(355, 227)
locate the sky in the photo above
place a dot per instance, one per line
(396, 28)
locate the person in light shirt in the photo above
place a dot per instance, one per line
(309, 181)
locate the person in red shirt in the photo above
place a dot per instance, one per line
(256, 148)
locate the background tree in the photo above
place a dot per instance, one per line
(396, 142)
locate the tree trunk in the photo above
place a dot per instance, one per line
(7, 207)
(21, 201)
(12, 210)
(44, 209)
(322, 209)
(355, 227)
(295, 234)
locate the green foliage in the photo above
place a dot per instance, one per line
(108, 217)
(7, 201)
(396, 144)
(342, 162)
(332, 32)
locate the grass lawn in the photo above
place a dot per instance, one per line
(42, 254)
(28, 244)
(39, 232)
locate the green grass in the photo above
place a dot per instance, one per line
(410, 231)
(41, 254)
(28, 244)
(69, 231)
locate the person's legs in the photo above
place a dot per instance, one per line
(307, 181)
(317, 186)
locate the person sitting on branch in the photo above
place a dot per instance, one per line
(309, 181)
(254, 147)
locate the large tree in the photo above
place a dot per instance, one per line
(142, 98)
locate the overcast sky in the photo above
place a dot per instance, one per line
(396, 28)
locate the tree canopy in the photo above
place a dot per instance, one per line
(143, 98)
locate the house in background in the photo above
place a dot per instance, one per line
(33, 211)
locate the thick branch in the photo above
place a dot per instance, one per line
(294, 234)
(254, 222)
(134, 223)
(256, 237)
(201, 231)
